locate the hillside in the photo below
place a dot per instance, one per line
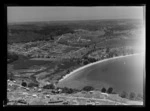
(42, 53)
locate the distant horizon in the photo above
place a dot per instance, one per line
(70, 20)
(47, 14)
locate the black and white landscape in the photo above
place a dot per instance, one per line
(76, 55)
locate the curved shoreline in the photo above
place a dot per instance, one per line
(88, 65)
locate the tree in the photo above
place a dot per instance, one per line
(49, 86)
(88, 88)
(68, 71)
(52, 38)
(64, 90)
(109, 91)
(123, 94)
(85, 62)
(79, 61)
(132, 95)
(107, 50)
(139, 97)
(7, 100)
(103, 90)
(24, 84)
(91, 59)
(70, 91)
(67, 90)
(33, 85)
(11, 57)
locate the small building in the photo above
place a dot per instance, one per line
(39, 90)
(47, 96)
(91, 92)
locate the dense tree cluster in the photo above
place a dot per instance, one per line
(88, 88)
(49, 86)
(67, 90)
(27, 34)
(44, 31)
(87, 60)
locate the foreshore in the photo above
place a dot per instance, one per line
(88, 65)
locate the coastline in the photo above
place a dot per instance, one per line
(88, 65)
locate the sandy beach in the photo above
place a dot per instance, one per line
(88, 65)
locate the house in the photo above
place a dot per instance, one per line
(47, 96)
(55, 91)
(91, 103)
(39, 90)
(34, 95)
(91, 92)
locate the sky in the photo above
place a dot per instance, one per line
(28, 14)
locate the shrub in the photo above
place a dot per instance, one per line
(107, 50)
(49, 86)
(75, 90)
(70, 91)
(109, 91)
(139, 97)
(103, 90)
(88, 88)
(11, 76)
(113, 92)
(64, 90)
(68, 72)
(33, 85)
(11, 57)
(85, 62)
(24, 84)
(67, 90)
(123, 94)
(132, 96)
(7, 100)
(22, 101)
